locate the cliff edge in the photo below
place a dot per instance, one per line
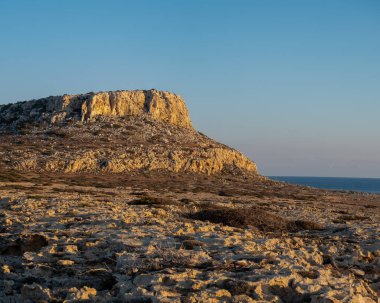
(159, 105)
(111, 132)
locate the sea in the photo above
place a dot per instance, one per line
(369, 185)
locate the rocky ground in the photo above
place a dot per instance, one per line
(184, 238)
(115, 197)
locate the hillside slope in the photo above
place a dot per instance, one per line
(111, 132)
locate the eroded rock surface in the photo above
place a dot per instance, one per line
(160, 105)
(135, 243)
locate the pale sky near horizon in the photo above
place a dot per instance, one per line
(294, 85)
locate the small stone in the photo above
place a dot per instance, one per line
(6, 269)
(65, 262)
(8, 221)
(242, 263)
(222, 293)
(71, 249)
(50, 212)
(357, 272)
(85, 293)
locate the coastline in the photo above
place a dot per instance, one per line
(347, 184)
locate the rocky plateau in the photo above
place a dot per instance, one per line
(111, 132)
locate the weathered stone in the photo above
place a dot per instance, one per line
(85, 293)
(65, 262)
(160, 105)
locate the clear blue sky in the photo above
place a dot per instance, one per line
(295, 85)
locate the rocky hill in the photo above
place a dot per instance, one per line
(115, 197)
(114, 132)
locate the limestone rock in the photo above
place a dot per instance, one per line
(85, 293)
(160, 105)
(99, 245)
(111, 132)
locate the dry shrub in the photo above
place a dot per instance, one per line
(251, 217)
(346, 218)
(303, 225)
(57, 133)
(190, 244)
(352, 217)
(187, 201)
(224, 193)
(370, 206)
(237, 287)
(153, 201)
(11, 176)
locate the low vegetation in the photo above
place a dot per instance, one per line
(153, 201)
(253, 217)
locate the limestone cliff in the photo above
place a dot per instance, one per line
(160, 105)
(111, 132)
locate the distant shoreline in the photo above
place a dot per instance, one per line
(366, 185)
